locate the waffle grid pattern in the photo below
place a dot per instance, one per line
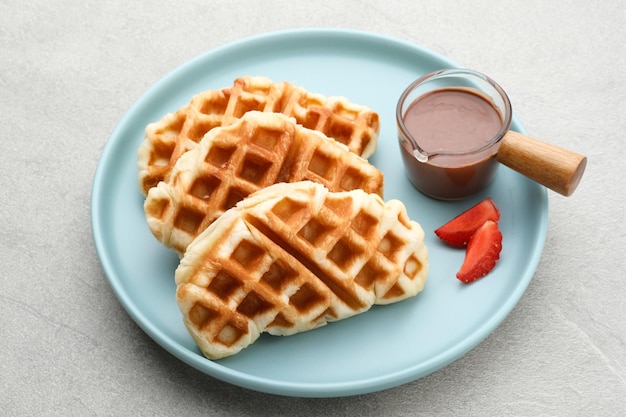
(234, 161)
(168, 139)
(347, 254)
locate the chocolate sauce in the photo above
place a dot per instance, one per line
(448, 121)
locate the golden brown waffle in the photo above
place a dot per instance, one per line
(292, 257)
(354, 125)
(233, 161)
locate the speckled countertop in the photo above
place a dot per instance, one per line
(69, 71)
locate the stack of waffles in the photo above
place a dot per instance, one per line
(233, 161)
(280, 227)
(292, 257)
(353, 125)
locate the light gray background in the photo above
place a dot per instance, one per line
(69, 70)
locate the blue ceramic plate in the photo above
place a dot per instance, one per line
(388, 345)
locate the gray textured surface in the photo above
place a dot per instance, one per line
(69, 71)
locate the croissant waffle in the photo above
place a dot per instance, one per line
(233, 161)
(354, 125)
(292, 257)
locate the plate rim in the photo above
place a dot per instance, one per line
(254, 382)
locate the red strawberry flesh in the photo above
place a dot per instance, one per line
(482, 253)
(459, 230)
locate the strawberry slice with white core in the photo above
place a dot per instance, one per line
(482, 253)
(459, 230)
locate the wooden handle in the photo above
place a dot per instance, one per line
(556, 168)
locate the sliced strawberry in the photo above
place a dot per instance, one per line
(483, 251)
(458, 231)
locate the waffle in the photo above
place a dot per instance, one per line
(233, 161)
(354, 125)
(292, 257)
